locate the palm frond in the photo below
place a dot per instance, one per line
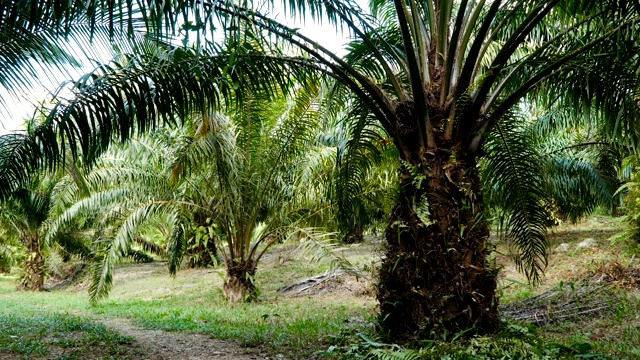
(93, 204)
(177, 244)
(512, 176)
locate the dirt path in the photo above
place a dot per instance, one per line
(162, 345)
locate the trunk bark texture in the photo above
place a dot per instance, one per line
(33, 274)
(436, 278)
(239, 286)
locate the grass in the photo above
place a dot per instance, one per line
(295, 327)
(60, 337)
(336, 324)
(616, 332)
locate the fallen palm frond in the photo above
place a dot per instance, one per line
(304, 286)
(566, 302)
(627, 277)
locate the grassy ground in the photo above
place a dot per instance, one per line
(293, 327)
(616, 331)
(336, 322)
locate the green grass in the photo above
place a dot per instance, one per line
(60, 337)
(192, 301)
(337, 325)
(615, 332)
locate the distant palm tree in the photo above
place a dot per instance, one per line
(22, 215)
(440, 77)
(243, 174)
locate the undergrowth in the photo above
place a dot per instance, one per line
(59, 337)
(512, 342)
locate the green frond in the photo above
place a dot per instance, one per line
(513, 180)
(151, 246)
(73, 243)
(578, 187)
(177, 244)
(355, 159)
(215, 138)
(93, 204)
(102, 273)
(22, 155)
(126, 234)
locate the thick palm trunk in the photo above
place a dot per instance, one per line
(239, 286)
(435, 277)
(33, 272)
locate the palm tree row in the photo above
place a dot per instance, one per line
(238, 176)
(441, 80)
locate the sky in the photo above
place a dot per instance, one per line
(22, 107)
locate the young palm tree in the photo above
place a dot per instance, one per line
(22, 216)
(256, 161)
(238, 172)
(440, 77)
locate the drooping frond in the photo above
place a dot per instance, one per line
(22, 154)
(113, 249)
(177, 244)
(356, 157)
(102, 272)
(139, 94)
(97, 202)
(513, 182)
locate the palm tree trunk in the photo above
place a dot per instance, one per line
(33, 273)
(435, 277)
(239, 286)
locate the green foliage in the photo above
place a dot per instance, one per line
(513, 183)
(234, 182)
(540, 171)
(489, 59)
(9, 255)
(631, 203)
(365, 174)
(140, 256)
(200, 246)
(512, 342)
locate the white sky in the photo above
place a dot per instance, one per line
(23, 106)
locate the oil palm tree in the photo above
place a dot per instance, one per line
(125, 200)
(22, 216)
(259, 158)
(238, 172)
(440, 78)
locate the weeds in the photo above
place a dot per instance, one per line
(60, 337)
(513, 342)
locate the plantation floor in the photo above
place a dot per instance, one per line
(150, 315)
(159, 344)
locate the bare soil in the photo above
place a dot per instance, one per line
(158, 344)
(150, 345)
